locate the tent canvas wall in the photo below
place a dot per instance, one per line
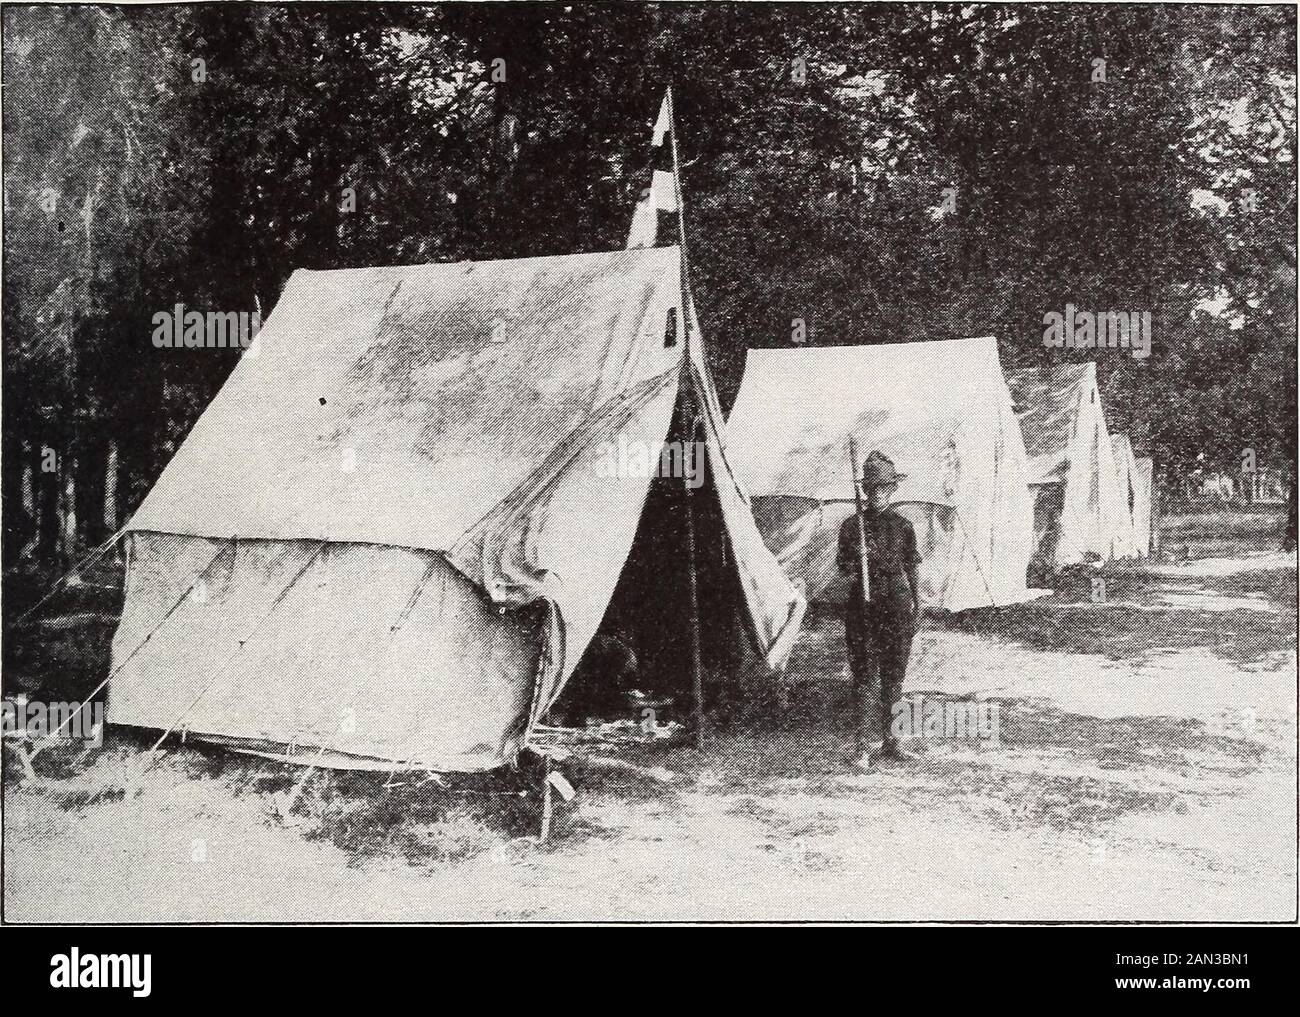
(395, 530)
(1126, 476)
(1144, 519)
(1077, 506)
(940, 410)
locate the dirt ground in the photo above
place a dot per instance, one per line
(1144, 769)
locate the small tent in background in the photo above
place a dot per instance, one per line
(940, 410)
(1126, 476)
(1144, 507)
(1078, 512)
(394, 532)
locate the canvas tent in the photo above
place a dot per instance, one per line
(1144, 529)
(1126, 476)
(940, 410)
(401, 521)
(1078, 512)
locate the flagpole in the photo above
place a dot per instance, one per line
(688, 308)
(681, 217)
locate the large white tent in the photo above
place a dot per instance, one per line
(395, 530)
(941, 410)
(1078, 512)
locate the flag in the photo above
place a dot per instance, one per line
(654, 223)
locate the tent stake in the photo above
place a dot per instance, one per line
(548, 804)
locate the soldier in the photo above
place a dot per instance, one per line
(879, 631)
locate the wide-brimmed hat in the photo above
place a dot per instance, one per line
(878, 471)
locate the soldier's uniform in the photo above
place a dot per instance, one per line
(879, 632)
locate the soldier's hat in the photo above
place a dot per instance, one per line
(878, 471)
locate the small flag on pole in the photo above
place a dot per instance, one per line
(654, 223)
(663, 123)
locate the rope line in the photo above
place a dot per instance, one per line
(242, 643)
(978, 566)
(139, 646)
(58, 583)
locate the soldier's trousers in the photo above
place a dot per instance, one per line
(879, 644)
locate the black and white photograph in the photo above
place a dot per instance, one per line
(649, 463)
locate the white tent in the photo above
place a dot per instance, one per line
(940, 410)
(395, 530)
(1126, 476)
(1078, 512)
(1144, 506)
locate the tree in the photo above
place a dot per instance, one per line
(852, 174)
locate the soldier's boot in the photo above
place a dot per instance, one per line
(861, 757)
(890, 748)
(860, 709)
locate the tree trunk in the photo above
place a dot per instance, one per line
(110, 487)
(17, 500)
(47, 507)
(90, 492)
(69, 543)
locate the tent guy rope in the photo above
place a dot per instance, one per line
(242, 643)
(139, 646)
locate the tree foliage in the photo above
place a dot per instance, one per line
(882, 172)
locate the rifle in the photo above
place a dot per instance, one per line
(862, 530)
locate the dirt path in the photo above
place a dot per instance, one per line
(1157, 785)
